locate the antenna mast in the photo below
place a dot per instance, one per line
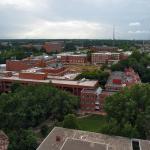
(113, 35)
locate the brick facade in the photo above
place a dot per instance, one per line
(34, 76)
(18, 65)
(103, 49)
(55, 71)
(103, 58)
(90, 100)
(74, 59)
(52, 47)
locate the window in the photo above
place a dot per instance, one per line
(135, 145)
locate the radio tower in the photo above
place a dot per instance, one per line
(143, 45)
(113, 35)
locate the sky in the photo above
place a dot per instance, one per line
(74, 19)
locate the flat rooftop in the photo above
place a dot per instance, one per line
(87, 83)
(116, 75)
(91, 90)
(71, 54)
(81, 140)
(14, 78)
(76, 144)
(105, 53)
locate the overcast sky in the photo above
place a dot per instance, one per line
(92, 19)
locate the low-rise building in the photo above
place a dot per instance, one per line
(68, 139)
(118, 80)
(54, 46)
(57, 71)
(18, 65)
(30, 62)
(103, 49)
(90, 100)
(105, 58)
(74, 59)
(30, 77)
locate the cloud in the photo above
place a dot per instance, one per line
(73, 18)
(18, 3)
(139, 32)
(135, 24)
(60, 29)
(23, 5)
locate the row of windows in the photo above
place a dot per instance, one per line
(88, 102)
(88, 108)
(88, 96)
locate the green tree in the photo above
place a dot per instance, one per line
(70, 122)
(101, 76)
(29, 106)
(139, 62)
(44, 130)
(22, 140)
(130, 110)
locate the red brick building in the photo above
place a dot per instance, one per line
(118, 80)
(74, 59)
(33, 78)
(60, 71)
(52, 47)
(31, 75)
(125, 55)
(18, 65)
(105, 57)
(103, 49)
(90, 99)
(4, 141)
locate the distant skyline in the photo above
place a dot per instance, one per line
(74, 19)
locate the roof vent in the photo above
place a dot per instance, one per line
(58, 138)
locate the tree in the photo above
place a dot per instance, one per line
(14, 86)
(29, 106)
(70, 122)
(44, 130)
(130, 111)
(139, 62)
(22, 140)
(99, 75)
(70, 46)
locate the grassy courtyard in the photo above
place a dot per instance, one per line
(92, 123)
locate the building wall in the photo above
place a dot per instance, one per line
(102, 58)
(18, 65)
(91, 102)
(87, 101)
(55, 71)
(73, 59)
(52, 47)
(103, 49)
(123, 56)
(34, 76)
(12, 65)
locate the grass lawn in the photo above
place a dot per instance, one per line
(92, 123)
